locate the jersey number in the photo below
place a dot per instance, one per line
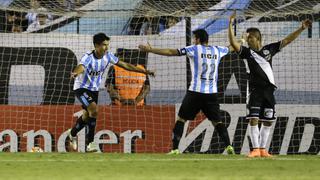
(205, 69)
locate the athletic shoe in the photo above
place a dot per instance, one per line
(230, 150)
(254, 153)
(73, 140)
(175, 151)
(264, 153)
(92, 147)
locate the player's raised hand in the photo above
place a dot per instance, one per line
(306, 23)
(145, 48)
(151, 73)
(233, 16)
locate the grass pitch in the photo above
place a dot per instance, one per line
(69, 166)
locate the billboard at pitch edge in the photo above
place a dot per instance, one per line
(296, 131)
(130, 130)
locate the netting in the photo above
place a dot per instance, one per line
(42, 41)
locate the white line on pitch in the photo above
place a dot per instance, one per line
(132, 160)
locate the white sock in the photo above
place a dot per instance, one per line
(254, 135)
(264, 135)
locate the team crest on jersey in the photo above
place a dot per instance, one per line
(266, 54)
(183, 51)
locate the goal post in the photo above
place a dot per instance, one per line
(38, 105)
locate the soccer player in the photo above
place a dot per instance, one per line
(202, 92)
(88, 75)
(261, 82)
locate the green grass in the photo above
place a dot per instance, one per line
(69, 166)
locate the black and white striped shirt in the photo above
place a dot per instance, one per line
(260, 64)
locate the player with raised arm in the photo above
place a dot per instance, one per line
(202, 92)
(261, 104)
(88, 75)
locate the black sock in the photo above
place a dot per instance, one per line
(78, 126)
(91, 129)
(177, 134)
(223, 133)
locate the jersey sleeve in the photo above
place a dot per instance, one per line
(113, 59)
(189, 51)
(223, 50)
(244, 52)
(85, 60)
(274, 48)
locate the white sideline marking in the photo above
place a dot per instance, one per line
(142, 160)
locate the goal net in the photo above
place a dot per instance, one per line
(42, 41)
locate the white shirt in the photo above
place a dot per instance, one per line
(204, 62)
(94, 68)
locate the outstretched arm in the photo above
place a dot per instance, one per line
(164, 52)
(291, 37)
(131, 67)
(232, 40)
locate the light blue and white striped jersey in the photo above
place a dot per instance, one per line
(94, 68)
(204, 62)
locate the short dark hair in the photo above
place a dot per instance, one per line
(202, 35)
(255, 31)
(99, 38)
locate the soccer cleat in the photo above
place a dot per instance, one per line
(73, 140)
(264, 153)
(254, 153)
(175, 151)
(230, 150)
(92, 147)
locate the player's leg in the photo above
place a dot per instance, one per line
(188, 110)
(254, 107)
(93, 113)
(255, 137)
(211, 109)
(224, 135)
(267, 118)
(80, 123)
(72, 133)
(177, 134)
(89, 101)
(85, 100)
(264, 135)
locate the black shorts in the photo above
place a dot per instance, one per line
(261, 104)
(86, 97)
(193, 102)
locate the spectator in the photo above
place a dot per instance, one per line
(41, 19)
(146, 28)
(127, 88)
(32, 14)
(69, 4)
(171, 21)
(162, 24)
(16, 27)
(15, 22)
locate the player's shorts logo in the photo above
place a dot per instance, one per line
(87, 96)
(268, 113)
